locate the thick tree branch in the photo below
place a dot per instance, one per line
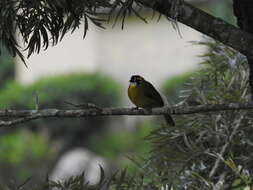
(218, 29)
(28, 115)
(205, 23)
(243, 13)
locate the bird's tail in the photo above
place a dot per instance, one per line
(169, 120)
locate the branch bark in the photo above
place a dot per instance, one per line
(243, 13)
(205, 23)
(239, 39)
(21, 116)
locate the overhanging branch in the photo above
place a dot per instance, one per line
(21, 116)
(207, 24)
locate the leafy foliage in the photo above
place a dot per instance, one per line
(44, 22)
(197, 154)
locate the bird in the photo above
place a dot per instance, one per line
(144, 95)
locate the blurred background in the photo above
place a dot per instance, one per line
(94, 70)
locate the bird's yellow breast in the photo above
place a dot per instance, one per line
(136, 95)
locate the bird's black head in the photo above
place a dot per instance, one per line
(136, 79)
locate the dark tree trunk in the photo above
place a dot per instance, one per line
(243, 10)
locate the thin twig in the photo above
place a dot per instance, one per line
(17, 121)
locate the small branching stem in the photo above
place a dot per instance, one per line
(225, 146)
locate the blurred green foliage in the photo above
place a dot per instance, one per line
(173, 86)
(14, 149)
(24, 154)
(125, 148)
(53, 91)
(33, 149)
(112, 144)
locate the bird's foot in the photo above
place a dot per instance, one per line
(135, 108)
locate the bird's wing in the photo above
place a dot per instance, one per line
(153, 94)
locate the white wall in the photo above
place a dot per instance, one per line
(72, 54)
